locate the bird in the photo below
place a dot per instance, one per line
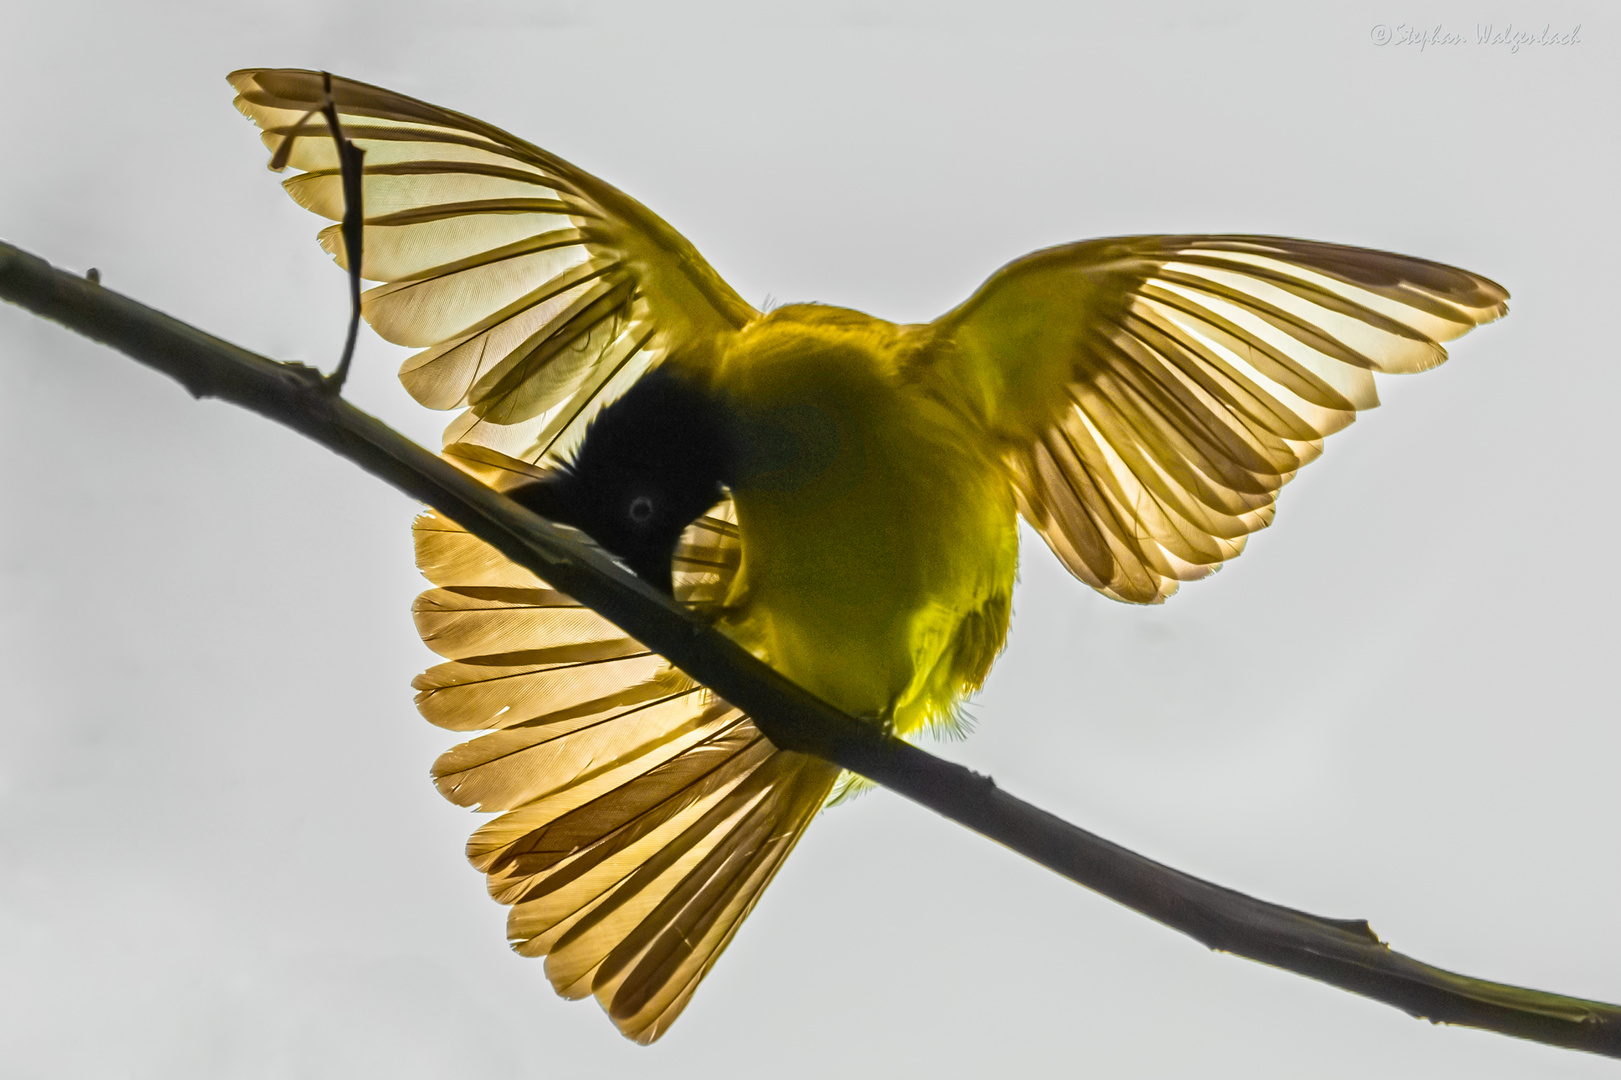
(837, 493)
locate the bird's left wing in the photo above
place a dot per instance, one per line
(536, 291)
(1152, 394)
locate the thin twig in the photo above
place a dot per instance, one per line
(351, 171)
(351, 176)
(1343, 953)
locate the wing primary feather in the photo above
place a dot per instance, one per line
(452, 287)
(1154, 393)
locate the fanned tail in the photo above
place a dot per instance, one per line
(640, 817)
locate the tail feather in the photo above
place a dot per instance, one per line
(507, 769)
(650, 971)
(641, 816)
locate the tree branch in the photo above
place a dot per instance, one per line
(1342, 953)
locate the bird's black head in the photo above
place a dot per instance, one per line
(649, 465)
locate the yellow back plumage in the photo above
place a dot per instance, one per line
(885, 528)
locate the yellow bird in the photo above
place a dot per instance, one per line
(839, 492)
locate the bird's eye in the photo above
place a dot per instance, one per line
(641, 509)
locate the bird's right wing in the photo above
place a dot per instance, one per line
(640, 816)
(1152, 394)
(536, 291)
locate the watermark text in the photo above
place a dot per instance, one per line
(1507, 36)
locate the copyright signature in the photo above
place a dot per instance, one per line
(1506, 35)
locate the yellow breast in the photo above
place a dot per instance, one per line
(878, 530)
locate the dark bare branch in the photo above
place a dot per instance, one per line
(1342, 953)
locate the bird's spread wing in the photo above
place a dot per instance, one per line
(1154, 393)
(640, 817)
(535, 290)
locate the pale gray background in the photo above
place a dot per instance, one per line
(219, 852)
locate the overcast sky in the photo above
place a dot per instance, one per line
(220, 856)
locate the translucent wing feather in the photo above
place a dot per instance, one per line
(1156, 392)
(535, 291)
(639, 817)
